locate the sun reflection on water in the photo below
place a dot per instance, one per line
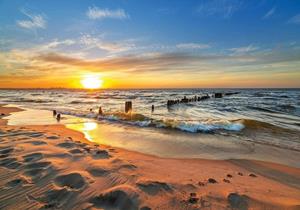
(88, 126)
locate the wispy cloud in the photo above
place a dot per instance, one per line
(221, 8)
(96, 42)
(270, 13)
(192, 46)
(99, 13)
(56, 43)
(244, 50)
(295, 19)
(140, 63)
(33, 21)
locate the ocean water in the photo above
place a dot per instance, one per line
(265, 116)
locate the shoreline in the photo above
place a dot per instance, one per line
(68, 165)
(162, 142)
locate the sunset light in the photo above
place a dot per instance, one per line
(142, 105)
(91, 82)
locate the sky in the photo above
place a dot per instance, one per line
(150, 44)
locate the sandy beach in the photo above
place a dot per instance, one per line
(52, 167)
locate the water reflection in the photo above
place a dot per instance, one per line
(87, 127)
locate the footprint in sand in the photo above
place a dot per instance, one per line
(52, 137)
(16, 182)
(67, 145)
(237, 201)
(97, 171)
(128, 166)
(36, 143)
(35, 135)
(36, 165)
(6, 150)
(212, 181)
(121, 197)
(33, 157)
(154, 187)
(4, 156)
(76, 151)
(53, 199)
(10, 163)
(38, 170)
(100, 154)
(72, 181)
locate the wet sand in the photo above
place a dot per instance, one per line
(53, 167)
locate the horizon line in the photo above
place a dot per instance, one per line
(97, 89)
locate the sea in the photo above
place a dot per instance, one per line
(261, 116)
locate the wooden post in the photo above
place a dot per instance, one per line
(218, 95)
(100, 111)
(58, 117)
(128, 106)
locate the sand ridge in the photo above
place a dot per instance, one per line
(51, 167)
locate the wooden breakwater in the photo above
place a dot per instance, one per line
(198, 98)
(187, 100)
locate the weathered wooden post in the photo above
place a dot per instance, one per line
(58, 117)
(100, 112)
(128, 106)
(218, 95)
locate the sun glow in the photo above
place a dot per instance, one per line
(91, 82)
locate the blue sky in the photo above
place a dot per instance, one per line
(244, 43)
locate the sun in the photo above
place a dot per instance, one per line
(91, 82)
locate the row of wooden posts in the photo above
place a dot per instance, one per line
(128, 104)
(198, 98)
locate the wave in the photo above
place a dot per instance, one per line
(192, 126)
(82, 102)
(261, 109)
(287, 107)
(24, 100)
(265, 127)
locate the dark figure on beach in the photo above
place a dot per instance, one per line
(100, 111)
(152, 108)
(58, 117)
(54, 113)
(91, 110)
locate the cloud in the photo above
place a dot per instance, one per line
(244, 50)
(118, 46)
(124, 63)
(98, 13)
(221, 8)
(56, 43)
(33, 21)
(45, 59)
(270, 13)
(145, 63)
(192, 46)
(295, 19)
